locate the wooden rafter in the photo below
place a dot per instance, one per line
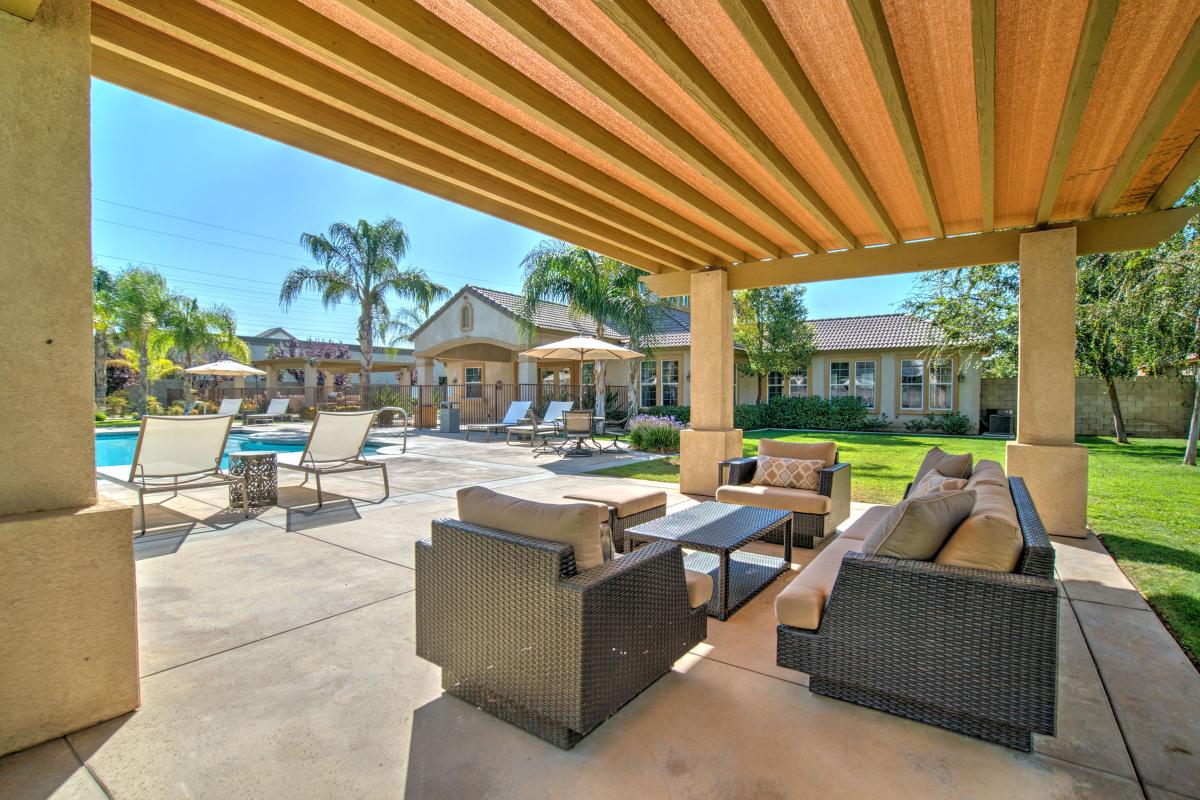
(1179, 179)
(983, 35)
(876, 39)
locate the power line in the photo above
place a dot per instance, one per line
(196, 221)
(195, 239)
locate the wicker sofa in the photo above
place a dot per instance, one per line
(971, 650)
(815, 513)
(520, 632)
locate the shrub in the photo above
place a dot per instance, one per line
(118, 404)
(750, 417)
(100, 416)
(957, 424)
(917, 425)
(153, 406)
(880, 423)
(175, 409)
(119, 374)
(654, 434)
(681, 413)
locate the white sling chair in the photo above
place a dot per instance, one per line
(278, 407)
(230, 406)
(176, 453)
(517, 410)
(335, 445)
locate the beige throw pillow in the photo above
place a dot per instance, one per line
(916, 528)
(935, 481)
(952, 466)
(988, 471)
(825, 451)
(576, 524)
(789, 473)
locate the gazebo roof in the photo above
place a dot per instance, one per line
(678, 136)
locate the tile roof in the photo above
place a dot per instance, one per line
(874, 332)
(550, 316)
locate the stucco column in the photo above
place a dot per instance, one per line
(1045, 453)
(712, 437)
(69, 623)
(426, 376)
(272, 379)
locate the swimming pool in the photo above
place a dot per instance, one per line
(113, 449)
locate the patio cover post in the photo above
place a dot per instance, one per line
(68, 625)
(712, 437)
(1045, 453)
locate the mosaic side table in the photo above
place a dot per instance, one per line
(262, 477)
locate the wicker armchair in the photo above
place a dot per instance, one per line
(522, 635)
(806, 528)
(969, 650)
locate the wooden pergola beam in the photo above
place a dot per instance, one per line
(1179, 179)
(429, 34)
(1176, 86)
(1113, 234)
(758, 28)
(650, 32)
(332, 134)
(983, 36)
(1096, 26)
(876, 39)
(545, 36)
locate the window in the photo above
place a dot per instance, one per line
(774, 385)
(466, 317)
(941, 384)
(670, 383)
(839, 379)
(798, 385)
(864, 382)
(473, 378)
(912, 384)
(649, 395)
(587, 373)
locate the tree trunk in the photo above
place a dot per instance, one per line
(100, 366)
(1189, 454)
(144, 366)
(759, 381)
(597, 375)
(367, 345)
(1118, 417)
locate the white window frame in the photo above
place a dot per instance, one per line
(642, 383)
(874, 383)
(664, 383)
(848, 385)
(798, 385)
(467, 392)
(776, 385)
(949, 384)
(901, 384)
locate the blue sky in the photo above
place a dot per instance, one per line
(218, 211)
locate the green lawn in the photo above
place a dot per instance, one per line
(119, 423)
(1142, 503)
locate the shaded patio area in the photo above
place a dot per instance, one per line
(277, 660)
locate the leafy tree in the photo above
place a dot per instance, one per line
(1106, 325)
(361, 263)
(103, 324)
(398, 329)
(141, 303)
(190, 330)
(588, 284)
(772, 325)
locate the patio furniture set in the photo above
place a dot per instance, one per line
(563, 430)
(942, 608)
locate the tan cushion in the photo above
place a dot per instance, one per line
(790, 473)
(866, 523)
(952, 466)
(935, 481)
(626, 499)
(805, 501)
(825, 452)
(917, 527)
(983, 541)
(576, 524)
(699, 587)
(988, 471)
(801, 602)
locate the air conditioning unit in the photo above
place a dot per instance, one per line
(1001, 424)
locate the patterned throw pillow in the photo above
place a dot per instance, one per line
(935, 481)
(789, 473)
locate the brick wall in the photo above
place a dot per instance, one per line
(1152, 406)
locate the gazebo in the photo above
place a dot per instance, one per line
(715, 145)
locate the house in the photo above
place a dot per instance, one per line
(883, 359)
(391, 365)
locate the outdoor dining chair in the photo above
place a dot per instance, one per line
(335, 446)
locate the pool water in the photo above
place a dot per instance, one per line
(113, 449)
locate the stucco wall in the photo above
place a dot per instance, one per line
(1151, 406)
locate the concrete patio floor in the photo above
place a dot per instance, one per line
(277, 660)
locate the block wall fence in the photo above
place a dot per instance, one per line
(1151, 406)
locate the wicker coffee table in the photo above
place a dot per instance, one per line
(716, 532)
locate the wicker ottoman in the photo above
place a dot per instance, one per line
(627, 506)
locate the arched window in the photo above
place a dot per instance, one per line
(466, 317)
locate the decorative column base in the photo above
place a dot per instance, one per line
(1057, 478)
(699, 454)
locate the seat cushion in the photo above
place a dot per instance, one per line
(917, 527)
(990, 538)
(825, 452)
(866, 523)
(626, 499)
(987, 471)
(576, 524)
(952, 466)
(788, 473)
(699, 587)
(804, 501)
(802, 601)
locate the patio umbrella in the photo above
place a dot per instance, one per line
(226, 367)
(584, 348)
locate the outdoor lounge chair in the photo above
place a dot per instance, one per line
(335, 446)
(539, 426)
(517, 410)
(230, 406)
(278, 407)
(176, 453)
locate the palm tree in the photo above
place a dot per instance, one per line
(190, 329)
(588, 284)
(103, 323)
(141, 303)
(399, 328)
(361, 263)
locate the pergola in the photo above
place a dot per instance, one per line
(714, 144)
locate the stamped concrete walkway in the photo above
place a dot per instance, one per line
(277, 661)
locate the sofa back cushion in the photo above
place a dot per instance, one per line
(788, 473)
(576, 524)
(917, 527)
(987, 471)
(990, 538)
(935, 481)
(952, 466)
(825, 452)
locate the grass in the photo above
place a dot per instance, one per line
(1141, 502)
(119, 423)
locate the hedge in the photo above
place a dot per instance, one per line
(810, 413)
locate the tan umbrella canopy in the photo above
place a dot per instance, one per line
(584, 348)
(226, 367)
